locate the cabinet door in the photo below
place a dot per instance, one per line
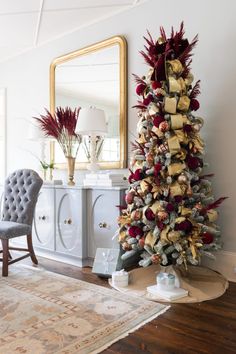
(1, 201)
(43, 224)
(69, 222)
(102, 219)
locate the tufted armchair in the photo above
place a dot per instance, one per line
(20, 196)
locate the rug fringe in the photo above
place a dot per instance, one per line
(124, 335)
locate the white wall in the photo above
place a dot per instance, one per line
(27, 80)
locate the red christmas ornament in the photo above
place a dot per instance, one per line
(149, 215)
(157, 120)
(194, 104)
(207, 238)
(140, 89)
(135, 231)
(129, 198)
(164, 126)
(156, 84)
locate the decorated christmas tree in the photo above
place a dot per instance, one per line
(170, 213)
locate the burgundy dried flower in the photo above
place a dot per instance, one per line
(149, 214)
(178, 198)
(135, 231)
(157, 121)
(157, 168)
(61, 126)
(194, 104)
(140, 89)
(147, 100)
(184, 226)
(193, 162)
(170, 207)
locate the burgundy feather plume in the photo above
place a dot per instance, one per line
(186, 55)
(138, 79)
(195, 90)
(215, 205)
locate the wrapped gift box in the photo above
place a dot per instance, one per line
(107, 261)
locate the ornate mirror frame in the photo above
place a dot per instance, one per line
(121, 42)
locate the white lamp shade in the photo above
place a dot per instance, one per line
(35, 133)
(91, 121)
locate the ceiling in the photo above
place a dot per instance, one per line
(25, 24)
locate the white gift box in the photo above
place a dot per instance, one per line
(120, 278)
(107, 260)
(171, 295)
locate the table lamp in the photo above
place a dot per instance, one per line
(92, 122)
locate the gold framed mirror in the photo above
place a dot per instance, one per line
(94, 76)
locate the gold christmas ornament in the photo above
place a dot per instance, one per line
(182, 178)
(126, 246)
(162, 215)
(196, 127)
(173, 236)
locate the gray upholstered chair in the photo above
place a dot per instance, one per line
(20, 196)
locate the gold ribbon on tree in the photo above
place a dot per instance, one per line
(174, 67)
(170, 104)
(183, 103)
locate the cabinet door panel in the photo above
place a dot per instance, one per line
(69, 222)
(43, 224)
(102, 219)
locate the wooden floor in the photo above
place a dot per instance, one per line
(207, 327)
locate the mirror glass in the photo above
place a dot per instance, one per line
(95, 76)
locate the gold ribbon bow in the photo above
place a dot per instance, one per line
(173, 144)
(176, 85)
(150, 239)
(174, 67)
(183, 103)
(178, 121)
(176, 168)
(170, 104)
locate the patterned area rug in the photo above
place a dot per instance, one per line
(43, 313)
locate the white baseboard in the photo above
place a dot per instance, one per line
(225, 263)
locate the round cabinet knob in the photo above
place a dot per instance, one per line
(42, 217)
(102, 225)
(68, 221)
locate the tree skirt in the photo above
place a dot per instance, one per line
(202, 283)
(43, 312)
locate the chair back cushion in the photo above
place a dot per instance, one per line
(20, 196)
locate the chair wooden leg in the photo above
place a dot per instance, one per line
(31, 249)
(5, 253)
